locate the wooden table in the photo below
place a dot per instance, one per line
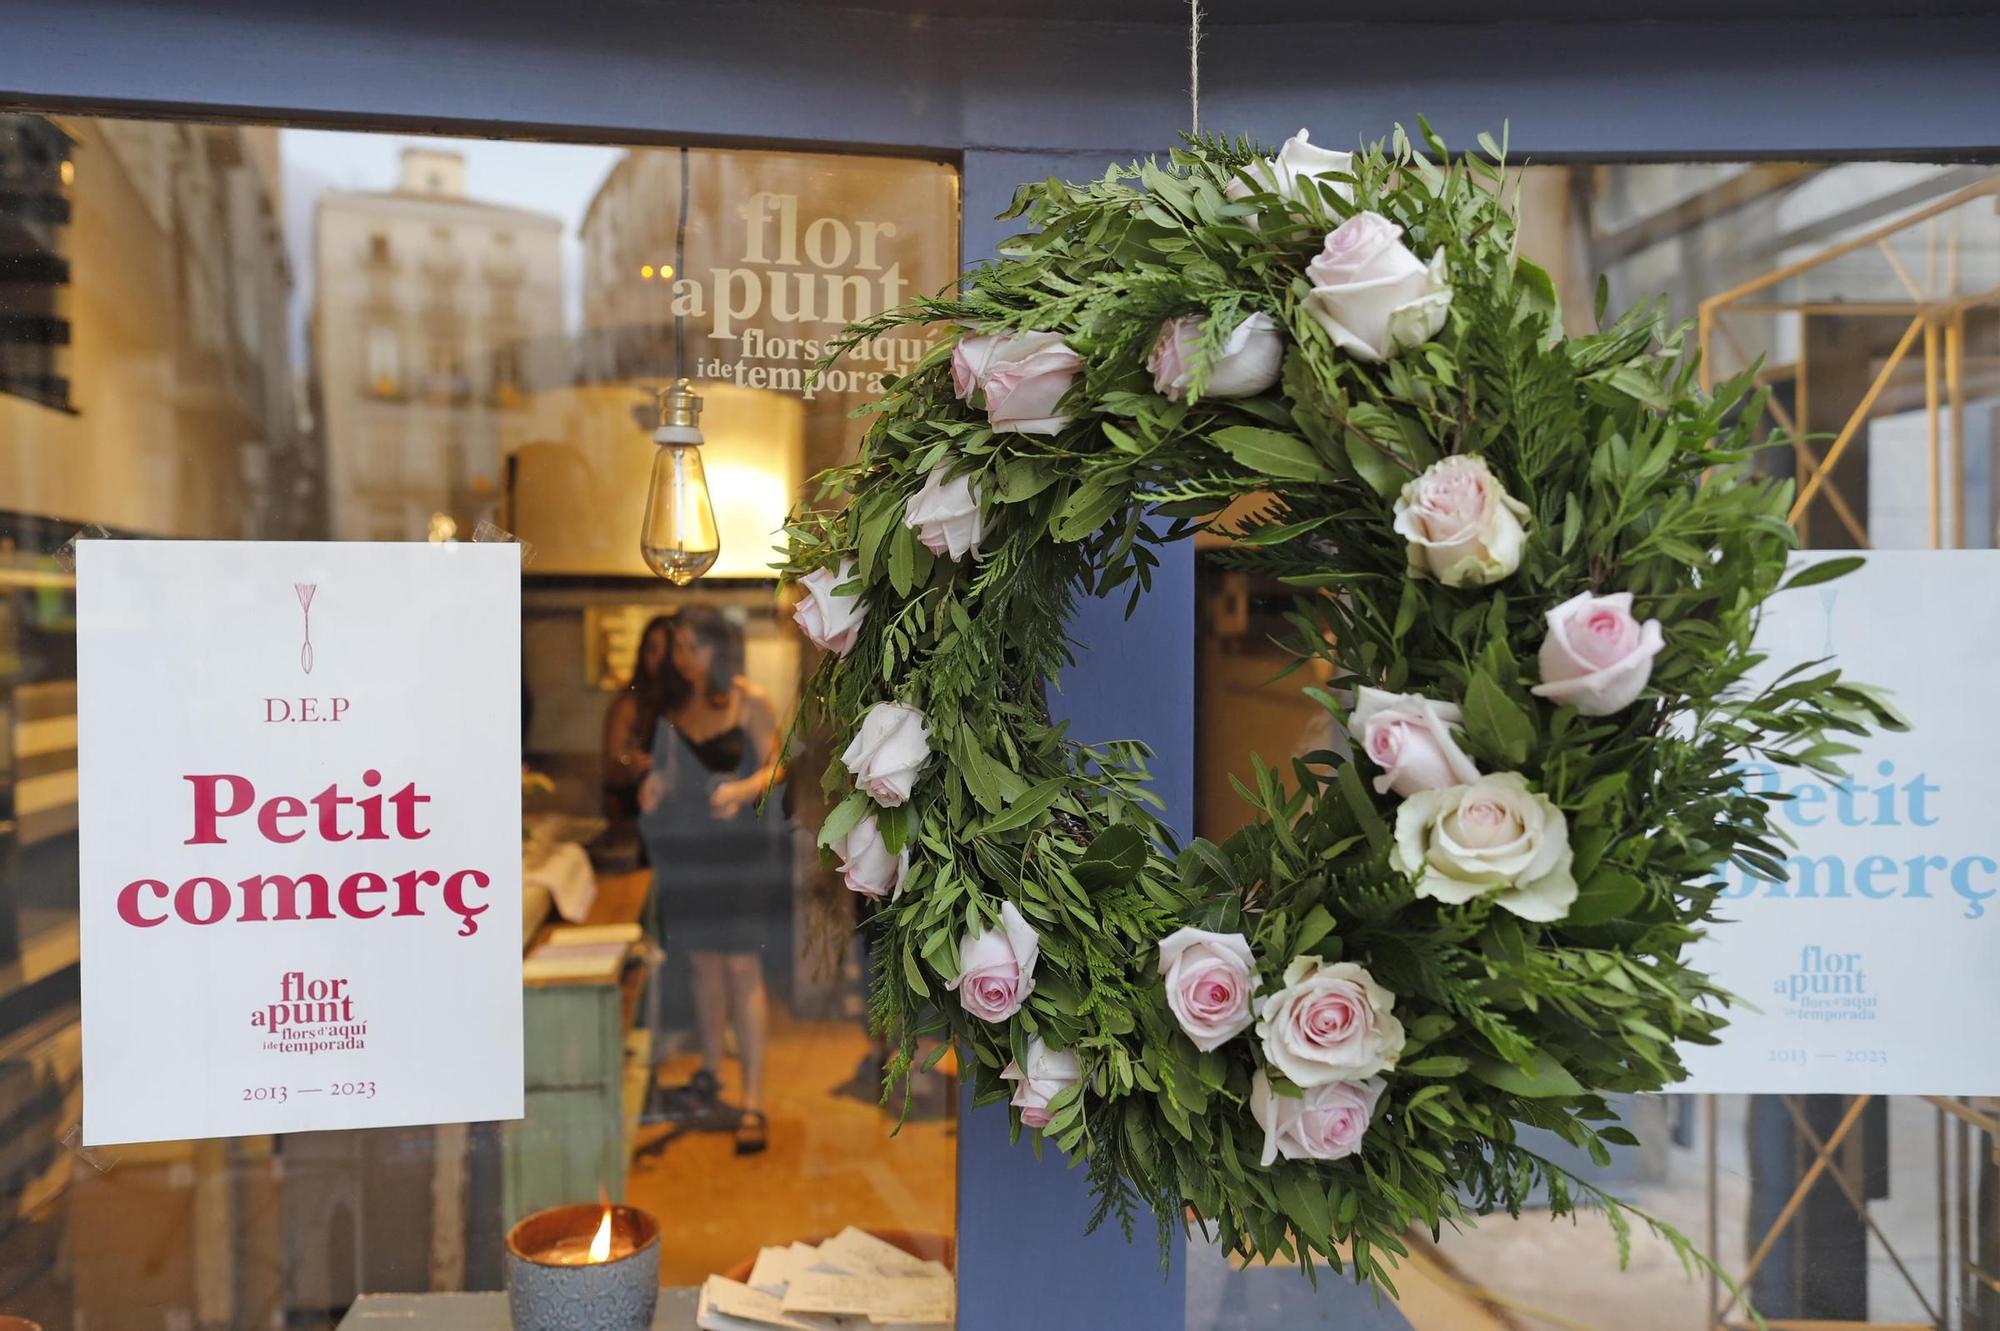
(482, 1312)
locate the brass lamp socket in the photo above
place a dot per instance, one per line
(680, 415)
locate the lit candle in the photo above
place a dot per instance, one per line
(603, 1246)
(606, 1255)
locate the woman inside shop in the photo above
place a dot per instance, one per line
(720, 869)
(628, 728)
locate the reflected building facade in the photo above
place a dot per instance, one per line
(427, 304)
(145, 375)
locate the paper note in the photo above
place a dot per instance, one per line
(726, 1305)
(778, 1267)
(859, 1247)
(920, 1299)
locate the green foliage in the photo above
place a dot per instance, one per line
(1636, 482)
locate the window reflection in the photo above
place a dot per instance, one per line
(232, 331)
(1899, 1226)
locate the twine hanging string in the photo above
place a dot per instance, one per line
(1194, 68)
(680, 268)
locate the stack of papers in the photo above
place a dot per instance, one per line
(580, 952)
(852, 1282)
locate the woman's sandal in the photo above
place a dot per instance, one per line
(750, 1130)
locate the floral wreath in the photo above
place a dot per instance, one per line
(1534, 564)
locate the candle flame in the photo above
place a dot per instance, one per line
(600, 1246)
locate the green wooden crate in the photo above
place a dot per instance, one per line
(572, 1139)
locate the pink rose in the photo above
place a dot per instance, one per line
(1372, 294)
(866, 865)
(1049, 1073)
(1464, 529)
(1326, 1123)
(830, 620)
(970, 357)
(1410, 738)
(1331, 1022)
(996, 967)
(1357, 249)
(1248, 363)
(1210, 979)
(1597, 657)
(1021, 375)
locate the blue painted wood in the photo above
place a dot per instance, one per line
(1674, 90)
(769, 74)
(836, 75)
(1021, 1221)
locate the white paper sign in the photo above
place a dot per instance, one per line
(300, 836)
(1875, 963)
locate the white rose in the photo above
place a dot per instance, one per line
(1248, 363)
(1292, 172)
(1597, 657)
(1409, 737)
(996, 967)
(1493, 838)
(1210, 979)
(1464, 529)
(1049, 1073)
(866, 865)
(946, 514)
(1372, 294)
(1326, 1123)
(830, 619)
(888, 751)
(1330, 1022)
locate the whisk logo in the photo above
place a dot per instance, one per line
(306, 708)
(305, 592)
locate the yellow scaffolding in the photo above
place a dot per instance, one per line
(1934, 313)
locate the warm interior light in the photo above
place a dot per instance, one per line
(678, 538)
(68, 172)
(646, 271)
(600, 1246)
(666, 271)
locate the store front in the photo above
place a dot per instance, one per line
(392, 276)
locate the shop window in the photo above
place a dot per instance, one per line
(442, 283)
(1811, 274)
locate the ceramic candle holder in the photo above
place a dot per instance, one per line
(552, 1286)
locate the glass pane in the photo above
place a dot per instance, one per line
(1821, 272)
(238, 331)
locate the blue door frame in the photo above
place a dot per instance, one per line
(1047, 91)
(1021, 1221)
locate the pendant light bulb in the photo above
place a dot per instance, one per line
(678, 538)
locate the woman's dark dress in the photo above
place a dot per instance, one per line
(719, 884)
